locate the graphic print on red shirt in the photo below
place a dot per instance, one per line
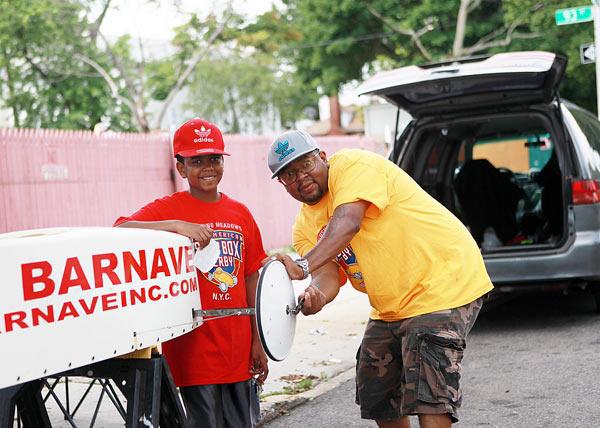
(225, 273)
(219, 350)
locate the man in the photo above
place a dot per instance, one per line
(366, 219)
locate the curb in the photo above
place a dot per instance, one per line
(285, 403)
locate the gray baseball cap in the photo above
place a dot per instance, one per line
(289, 146)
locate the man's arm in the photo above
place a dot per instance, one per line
(323, 288)
(200, 233)
(258, 363)
(344, 224)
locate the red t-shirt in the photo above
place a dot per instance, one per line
(218, 351)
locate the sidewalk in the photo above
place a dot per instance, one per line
(323, 355)
(324, 351)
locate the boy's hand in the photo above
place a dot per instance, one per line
(259, 362)
(200, 233)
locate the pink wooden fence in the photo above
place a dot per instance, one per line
(54, 178)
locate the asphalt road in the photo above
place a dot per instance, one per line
(531, 362)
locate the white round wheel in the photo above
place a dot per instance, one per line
(274, 303)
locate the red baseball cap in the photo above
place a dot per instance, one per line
(198, 137)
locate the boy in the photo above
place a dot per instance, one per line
(213, 364)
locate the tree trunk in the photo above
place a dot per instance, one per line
(193, 62)
(235, 124)
(11, 91)
(461, 23)
(335, 119)
(140, 114)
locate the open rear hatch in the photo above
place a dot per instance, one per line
(501, 79)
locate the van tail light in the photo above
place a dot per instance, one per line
(585, 192)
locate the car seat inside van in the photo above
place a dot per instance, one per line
(498, 173)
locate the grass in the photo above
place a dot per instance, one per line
(297, 384)
(297, 388)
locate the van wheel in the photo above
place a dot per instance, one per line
(595, 290)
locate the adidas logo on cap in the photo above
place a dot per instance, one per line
(203, 135)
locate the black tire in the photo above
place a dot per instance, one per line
(595, 290)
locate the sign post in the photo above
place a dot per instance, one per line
(587, 53)
(596, 14)
(575, 15)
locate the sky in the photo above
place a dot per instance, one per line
(155, 20)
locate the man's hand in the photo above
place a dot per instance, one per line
(200, 233)
(314, 300)
(293, 270)
(259, 364)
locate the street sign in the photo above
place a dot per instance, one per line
(573, 15)
(587, 53)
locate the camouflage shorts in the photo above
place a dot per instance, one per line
(413, 366)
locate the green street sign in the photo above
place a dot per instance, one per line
(573, 15)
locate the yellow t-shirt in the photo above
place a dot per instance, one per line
(411, 256)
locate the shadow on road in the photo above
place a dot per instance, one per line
(530, 363)
(525, 311)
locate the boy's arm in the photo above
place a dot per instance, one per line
(258, 357)
(200, 233)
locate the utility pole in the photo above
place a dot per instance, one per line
(575, 15)
(596, 13)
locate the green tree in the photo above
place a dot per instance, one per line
(138, 80)
(337, 40)
(486, 27)
(58, 70)
(247, 93)
(39, 80)
(341, 41)
(340, 38)
(249, 86)
(579, 82)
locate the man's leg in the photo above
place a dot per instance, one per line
(432, 348)
(435, 421)
(379, 375)
(425, 421)
(402, 422)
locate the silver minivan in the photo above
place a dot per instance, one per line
(491, 140)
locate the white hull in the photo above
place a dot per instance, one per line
(73, 296)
